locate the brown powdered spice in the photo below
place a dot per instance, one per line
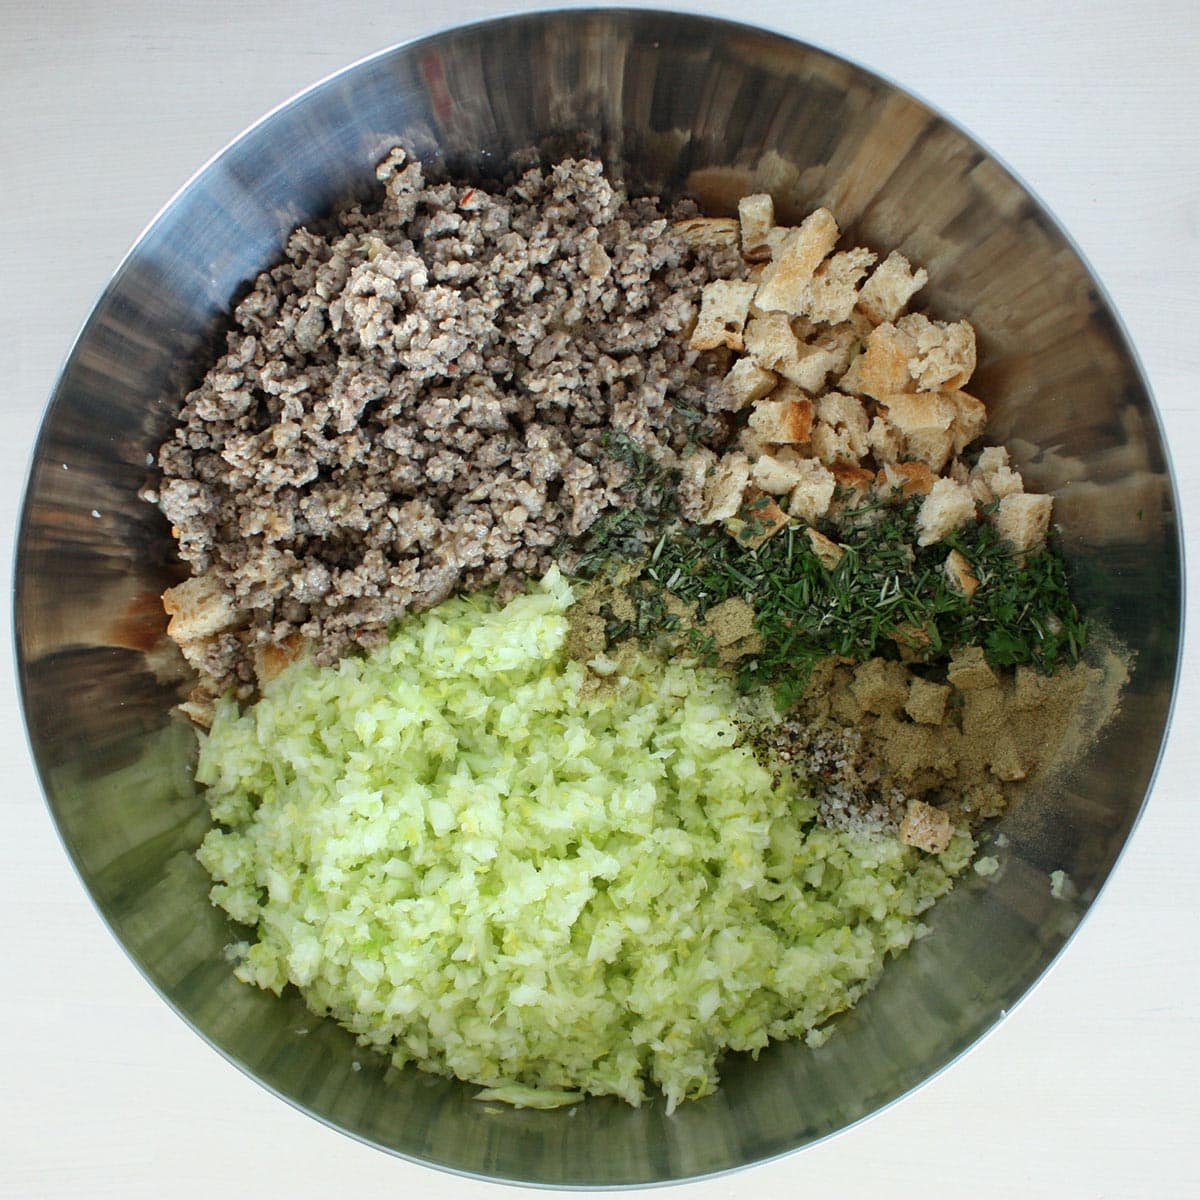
(877, 736)
(730, 624)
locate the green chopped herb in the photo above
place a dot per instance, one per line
(621, 534)
(884, 593)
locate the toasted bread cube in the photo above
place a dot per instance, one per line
(926, 422)
(882, 368)
(907, 478)
(943, 356)
(774, 347)
(992, 478)
(811, 497)
(724, 487)
(949, 506)
(852, 492)
(785, 281)
(840, 434)
(693, 473)
(750, 444)
(811, 368)
(892, 285)
(842, 342)
(833, 291)
(785, 422)
(970, 419)
(846, 412)
(744, 383)
(777, 237)
(708, 231)
(925, 827)
(852, 483)
(777, 471)
(199, 608)
(200, 709)
(1022, 520)
(724, 307)
(770, 341)
(271, 659)
(960, 574)
(757, 520)
(932, 447)
(926, 702)
(757, 217)
(828, 552)
(916, 412)
(884, 440)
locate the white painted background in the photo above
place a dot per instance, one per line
(1088, 1090)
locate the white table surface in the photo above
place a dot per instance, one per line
(1089, 1089)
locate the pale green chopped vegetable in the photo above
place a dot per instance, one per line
(1062, 887)
(987, 865)
(527, 1097)
(481, 864)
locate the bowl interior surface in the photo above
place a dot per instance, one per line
(673, 104)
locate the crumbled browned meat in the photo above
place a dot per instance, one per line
(412, 402)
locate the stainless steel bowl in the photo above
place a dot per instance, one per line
(673, 103)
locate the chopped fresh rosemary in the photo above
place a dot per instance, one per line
(623, 533)
(884, 595)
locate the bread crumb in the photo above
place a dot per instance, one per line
(1023, 520)
(960, 575)
(744, 383)
(827, 551)
(788, 421)
(785, 282)
(925, 827)
(948, 507)
(1062, 887)
(756, 215)
(724, 307)
(892, 284)
(811, 497)
(879, 686)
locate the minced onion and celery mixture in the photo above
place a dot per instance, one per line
(586, 600)
(479, 863)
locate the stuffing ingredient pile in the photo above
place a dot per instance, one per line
(610, 628)
(473, 871)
